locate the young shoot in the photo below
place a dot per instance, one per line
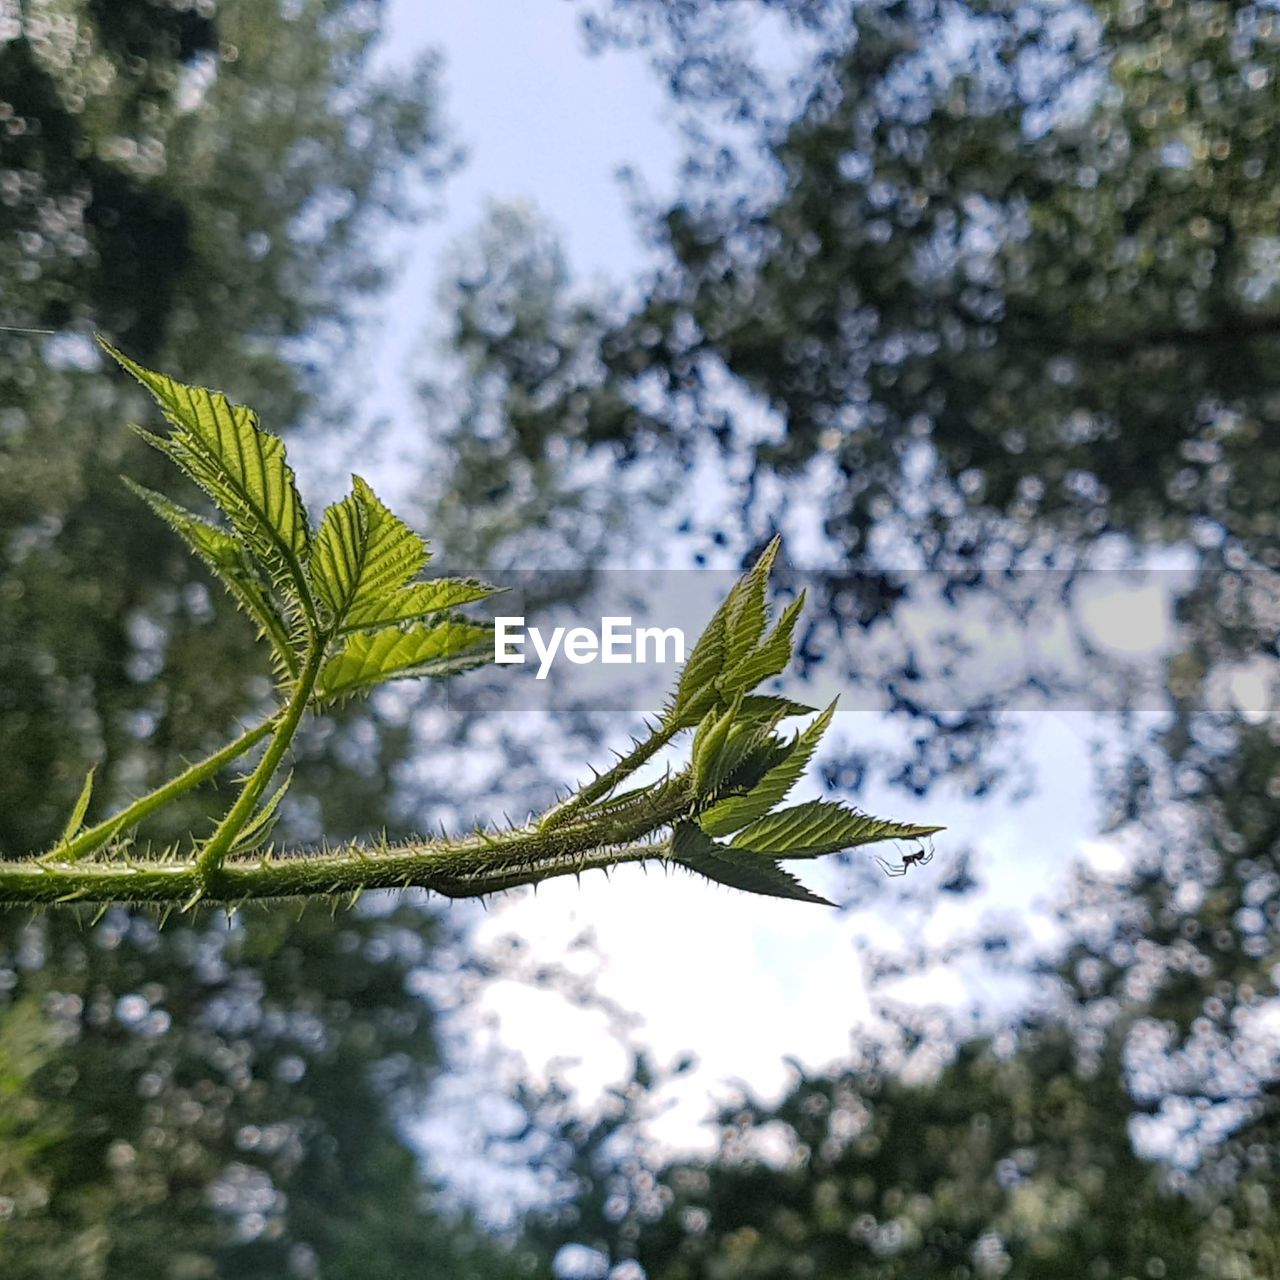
(343, 609)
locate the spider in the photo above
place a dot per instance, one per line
(917, 858)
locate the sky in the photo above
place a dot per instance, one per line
(540, 122)
(744, 983)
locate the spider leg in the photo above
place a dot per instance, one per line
(925, 858)
(889, 869)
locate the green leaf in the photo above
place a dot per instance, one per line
(696, 691)
(818, 827)
(736, 811)
(418, 600)
(255, 833)
(242, 468)
(338, 556)
(370, 657)
(730, 657)
(768, 659)
(361, 565)
(78, 810)
(363, 553)
(745, 611)
(752, 750)
(230, 564)
(708, 745)
(737, 869)
(760, 706)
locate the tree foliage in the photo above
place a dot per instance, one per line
(998, 278)
(201, 186)
(222, 1099)
(1002, 276)
(1032, 244)
(206, 184)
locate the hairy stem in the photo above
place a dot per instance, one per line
(93, 838)
(605, 782)
(468, 866)
(215, 850)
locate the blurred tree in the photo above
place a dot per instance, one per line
(1003, 273)
(1029, 246)
(1130, 1127)
(513, 360)
(200, 183)
(1001, 1164)
(1173, 966)
(520, 369)
(989, 284)
(222, 1100)
(203, 183)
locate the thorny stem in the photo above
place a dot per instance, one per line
(93, 838)
(467, 866)
(209, 862)
(605, 782)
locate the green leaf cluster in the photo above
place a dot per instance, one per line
(741, 768)
(744, 769)
(351, 590)
(734, 655)
(343, 610)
